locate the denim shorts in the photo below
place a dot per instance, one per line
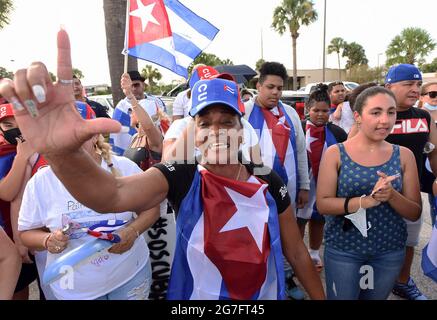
(351, 276)
(137, 288)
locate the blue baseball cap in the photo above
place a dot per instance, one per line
(215, 91)
(403, 72)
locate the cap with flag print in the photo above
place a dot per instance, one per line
(167, 33)
(215, 91)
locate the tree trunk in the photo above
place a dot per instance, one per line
(294, 38)
(115, 22)
(339, 70)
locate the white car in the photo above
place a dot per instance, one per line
(106, 101)
(310, 87)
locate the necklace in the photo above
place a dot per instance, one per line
(239, 171)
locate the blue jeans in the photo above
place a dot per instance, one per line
(137, 288)
(351, 276)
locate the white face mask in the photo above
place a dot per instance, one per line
(430, 107)
(359, 220)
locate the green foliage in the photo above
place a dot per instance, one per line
(429, 67)
(293, 14)
(364, 74)
(5, 73)
(6, 8)
(78, 73)
(259, 63)
(411, 46)
(152, 75)
(356, 55)
(208, 59)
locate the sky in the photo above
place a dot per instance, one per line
(31, 34)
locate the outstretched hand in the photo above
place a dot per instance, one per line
(46, 112)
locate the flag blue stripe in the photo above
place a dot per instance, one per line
(198, 23)
(121, 117)
(186, 47)
(159, 56)
(275, 244)
(181, 280)
(6, 163)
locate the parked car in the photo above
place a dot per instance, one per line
(295, 99)
(310, 87)
(106, 101)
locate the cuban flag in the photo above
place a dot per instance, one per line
(227, 242)
(121, 141)
(318, 139)
(277, 139)
(167, 33)
(429, 255)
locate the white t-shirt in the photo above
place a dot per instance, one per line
(249, 134)
(46, 203)
(347, 117)
(182, 104)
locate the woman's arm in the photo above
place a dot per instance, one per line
(15, 209)
(10, 266)
(154, 135)
(11, 184)
(297, 255)
(135, 229)
(327, 201)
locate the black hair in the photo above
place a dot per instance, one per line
(272, 69)
(368, 93)
(245, 91)
(355, 93)
(320, 94)
(333, 84)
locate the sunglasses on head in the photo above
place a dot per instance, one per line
(431, 94)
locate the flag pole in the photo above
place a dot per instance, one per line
(126, 37)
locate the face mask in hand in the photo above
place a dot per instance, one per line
(11, 135)
(359, 220)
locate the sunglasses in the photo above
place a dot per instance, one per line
(136, 85)
(431, 94)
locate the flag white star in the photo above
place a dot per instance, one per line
(145, 14)
(252, 213)
(310, 140)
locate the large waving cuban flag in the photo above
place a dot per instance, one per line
(227, 242)
(167, 33)
(277, 138)
(318, 139)
(429, 256)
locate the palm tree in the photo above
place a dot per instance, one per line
(356, 55)
(293, 14)
(151, 73)
(336, 45)
(6, 7)
(411, 46)
(115, 22)
(259, 63)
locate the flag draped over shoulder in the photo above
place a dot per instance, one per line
(429, 255)
(167, 33)
(277, 138)
(318, 139)
(227, 242)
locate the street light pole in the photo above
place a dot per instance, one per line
(324, 44)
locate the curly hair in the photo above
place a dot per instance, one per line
(272, 69)
(319, 95)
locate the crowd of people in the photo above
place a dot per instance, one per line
(243, 175)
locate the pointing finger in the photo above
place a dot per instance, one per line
(65, 70)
